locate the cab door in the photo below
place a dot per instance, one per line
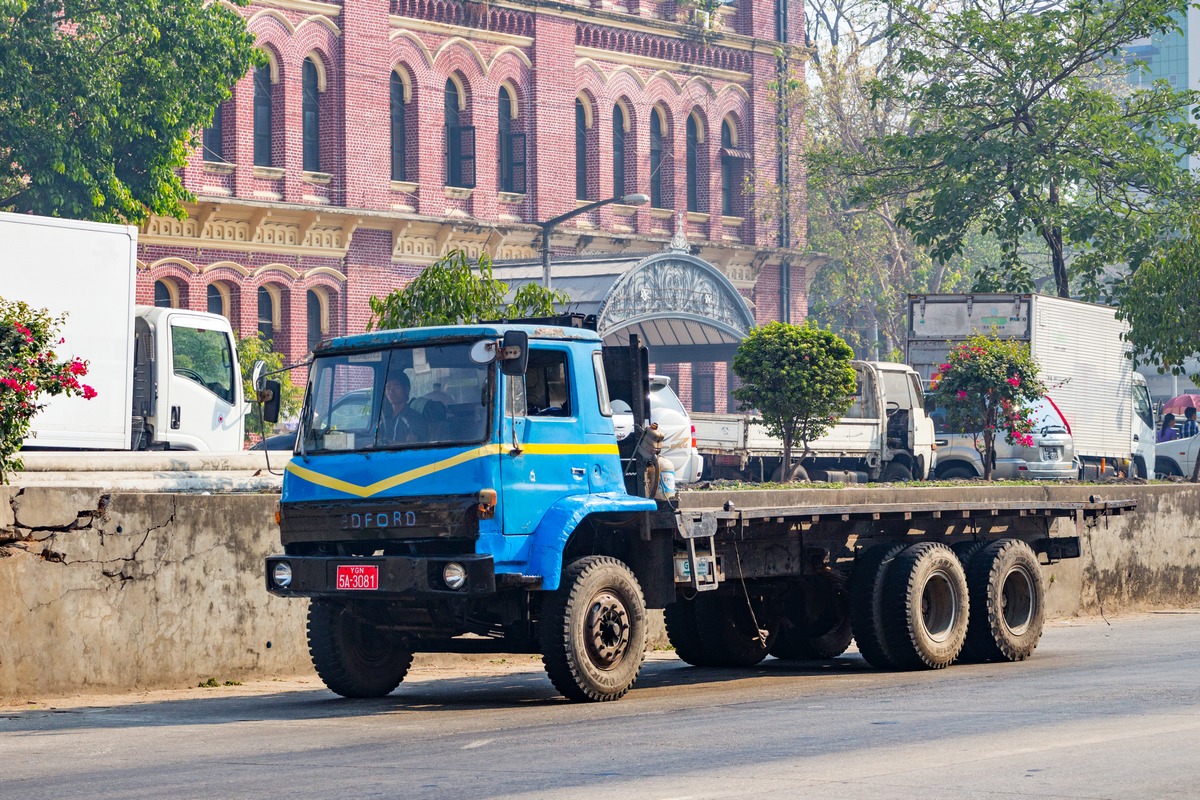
(200, 390)
(547, 463)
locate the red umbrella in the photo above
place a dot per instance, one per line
(1176, 405)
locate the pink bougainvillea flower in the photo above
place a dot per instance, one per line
(1014, 381)
(962, 395)
(88, 392)
(944, 368)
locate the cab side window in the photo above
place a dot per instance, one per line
(547, 391)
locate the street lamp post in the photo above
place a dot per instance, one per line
(548, 226)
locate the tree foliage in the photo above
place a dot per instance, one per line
(102, 100)
(1160, 302)
(453, 291)
(1017, 130)
(986, 387)
(30, 371)
(798, 378)
(259, 348)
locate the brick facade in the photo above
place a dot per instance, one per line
(341, 234)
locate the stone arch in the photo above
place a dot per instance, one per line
(458, 54)
(267, 16)
(513, 52)
(405, 44)
(233, 266)
(321, 21)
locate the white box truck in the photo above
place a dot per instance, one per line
(1083, 357)
(165, 378)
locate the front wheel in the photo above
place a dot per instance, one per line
(593, 630)
(351, 656)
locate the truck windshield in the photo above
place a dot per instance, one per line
(394, 399)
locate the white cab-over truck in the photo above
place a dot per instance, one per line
(1084, 360)
(886, 435)
(165, 378)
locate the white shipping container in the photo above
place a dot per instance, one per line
(88, 271)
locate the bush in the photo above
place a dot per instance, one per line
(30, 371)
(986, 385)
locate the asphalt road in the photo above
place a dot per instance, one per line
(1100, 711)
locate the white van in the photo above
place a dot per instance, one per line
(679, 442)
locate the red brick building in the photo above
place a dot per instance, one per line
(385, 133)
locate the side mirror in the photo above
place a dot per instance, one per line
(269, 397)
(256, 375)
(514, 353)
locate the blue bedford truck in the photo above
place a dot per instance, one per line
(461, 489)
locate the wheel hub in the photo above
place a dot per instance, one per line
(607, 630)
(939, 607)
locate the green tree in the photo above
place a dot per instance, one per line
(258, 348)
(798, 378)
(453, 291)
(1159, 303)
(31, 370)
(102, 101)
(1016, 130)
(986, 386)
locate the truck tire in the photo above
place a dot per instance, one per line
(925, 607)
(593, 630)
(728, 632)
(895, 472)
(684, 633)
(866, 603)
(1008, 605)
(799, 473)
(816, 620)
(965, 551)
(352, 657)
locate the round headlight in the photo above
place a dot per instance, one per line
(281, 574)
(454, 576)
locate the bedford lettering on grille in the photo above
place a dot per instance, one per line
(379, 519)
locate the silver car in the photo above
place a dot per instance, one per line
(1051, 457)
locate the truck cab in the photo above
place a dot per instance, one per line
(443, 478)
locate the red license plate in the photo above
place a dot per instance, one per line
(358, 577)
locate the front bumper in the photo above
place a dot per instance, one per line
(398, 576)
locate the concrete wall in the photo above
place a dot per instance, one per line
(113, 591)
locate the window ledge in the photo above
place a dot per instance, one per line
(662, 213)
(697, 216)
(581, 203)
(268, 173)
(623, 210)
(510, 198)
(458, 193)
(408, 187)
(319, 178)
(218, 167)
(732, 222)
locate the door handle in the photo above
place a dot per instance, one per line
(578, 472)
(941, 442)
(174, 418)
(1136, 438)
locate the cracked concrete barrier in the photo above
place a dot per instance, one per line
(107, 592)
(110, 591)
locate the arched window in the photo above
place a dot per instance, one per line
(693, 157)
(511, 146)
(399, 131)
(262, 116)
(266, 313)
(218, 299)
(317, 318)
(656, 171)
(312, 118)
(581, 171)
(214, 136)
(733, 168)
(166, 294)
(619, 126)
(460, 141)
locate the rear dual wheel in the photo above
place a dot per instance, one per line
(1008, 607)
(816, 620)
(909, 605)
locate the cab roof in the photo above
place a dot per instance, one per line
(449, 333)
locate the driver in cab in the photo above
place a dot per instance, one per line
(399, 422)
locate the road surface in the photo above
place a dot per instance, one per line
(1101, 711)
